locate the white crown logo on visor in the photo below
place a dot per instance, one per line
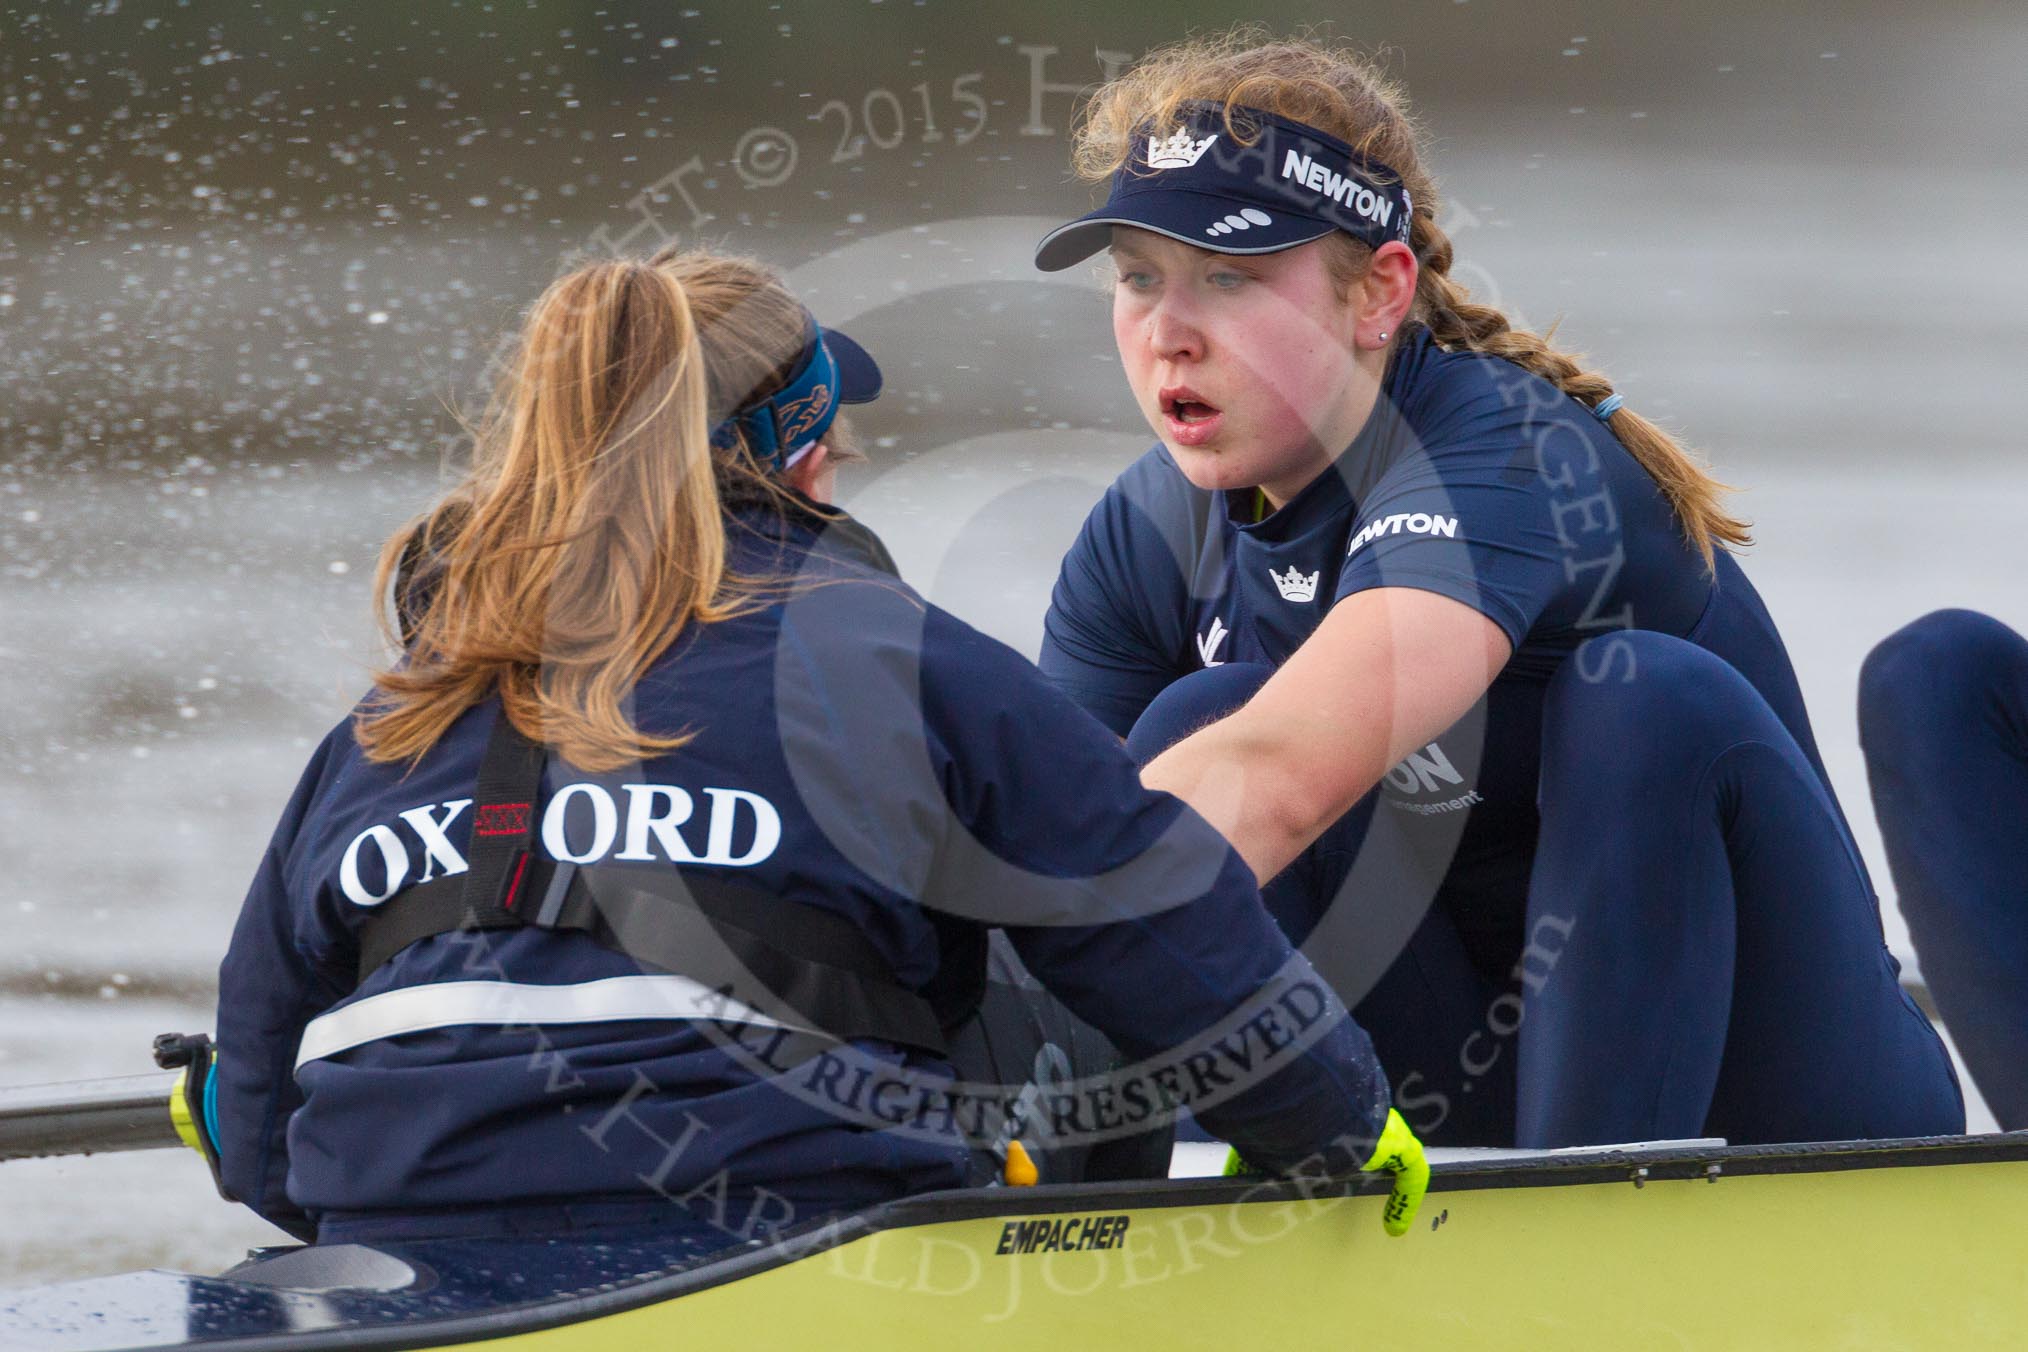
(1296, 586)
(1177, 151)
(1244, 219)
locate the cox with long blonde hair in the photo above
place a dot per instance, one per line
(589, 529)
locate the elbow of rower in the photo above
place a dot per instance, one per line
(1298, 813)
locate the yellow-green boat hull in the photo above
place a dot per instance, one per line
(1919, 1244)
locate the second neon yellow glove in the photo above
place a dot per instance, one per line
(1399, 1153)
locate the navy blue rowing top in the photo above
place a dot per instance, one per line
(1474, 479)
(855, 749)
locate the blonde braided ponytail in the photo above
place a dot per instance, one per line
(1456, 322)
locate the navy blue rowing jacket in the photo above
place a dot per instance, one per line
(855, 749)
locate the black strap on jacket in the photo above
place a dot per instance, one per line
(802, 966)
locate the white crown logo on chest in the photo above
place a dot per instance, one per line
(1296, 586)
(1177, 151)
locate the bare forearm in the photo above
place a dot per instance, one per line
(1386, 671)
(1253, 791)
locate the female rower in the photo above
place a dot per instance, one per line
(637, 901)
(1448, 642)
(1943, 720)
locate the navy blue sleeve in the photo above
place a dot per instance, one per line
(1117, 631)
(1138, 915)
(1468, 513)
(951, 772)
(268, 990)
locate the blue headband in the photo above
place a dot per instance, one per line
(1199, 183)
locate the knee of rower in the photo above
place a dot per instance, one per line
(1938, 665)
(1190, 703)
(1620, 690)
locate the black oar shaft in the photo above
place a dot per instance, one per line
(86, 1117)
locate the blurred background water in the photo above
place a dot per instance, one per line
(252, 257)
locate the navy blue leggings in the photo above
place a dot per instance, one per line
(1943, 719)
(1700, 949)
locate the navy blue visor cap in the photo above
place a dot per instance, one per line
(1274, 185)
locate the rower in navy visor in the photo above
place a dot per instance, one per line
(1450, 643)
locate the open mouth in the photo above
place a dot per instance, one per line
(1190, 419)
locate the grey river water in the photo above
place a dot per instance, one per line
(208, 424)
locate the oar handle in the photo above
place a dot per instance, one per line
(87, 1117)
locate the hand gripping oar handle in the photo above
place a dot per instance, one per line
(87, 1117)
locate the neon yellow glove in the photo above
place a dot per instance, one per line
(1400, 1154)
(187, 1129)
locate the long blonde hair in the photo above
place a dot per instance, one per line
(589, 529)
(1331, 87)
